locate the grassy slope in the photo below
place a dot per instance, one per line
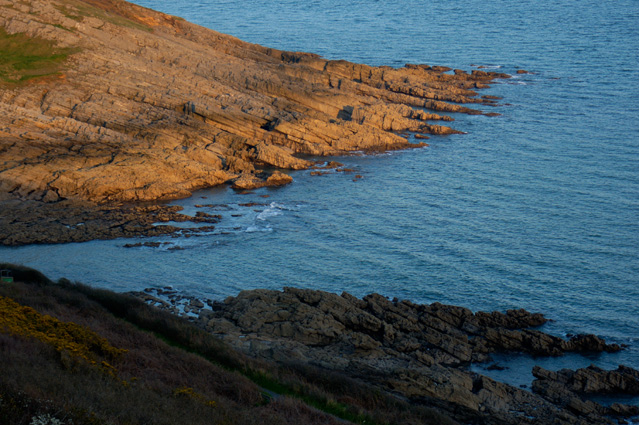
(171, 373)
(24, 58)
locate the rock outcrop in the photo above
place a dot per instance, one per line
(29, 222)
(429, 334)
(418, 352)
(148, 106)
(569, 389)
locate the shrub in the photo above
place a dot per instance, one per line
(22, 273)
(64, 336)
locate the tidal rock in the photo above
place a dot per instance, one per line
(251, 181)
(594, 380)
(414, 350)
(28, 222)
(570, 389)
(593, 343)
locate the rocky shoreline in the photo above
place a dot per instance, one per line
(420, 353)
(128, 105)
(24, 222)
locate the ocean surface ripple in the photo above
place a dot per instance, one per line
(537, 208)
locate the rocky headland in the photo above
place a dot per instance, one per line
(107, 108)
(105, 103)
(418, 353)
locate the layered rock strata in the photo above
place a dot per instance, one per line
(148, 106)
(418, 352)
(570, 389)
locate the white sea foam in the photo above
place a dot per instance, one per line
(253, 229)
(273, 210)
(483, 67)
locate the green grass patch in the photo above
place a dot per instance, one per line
(26, 58)
(327, 405)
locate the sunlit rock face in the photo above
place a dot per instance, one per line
(146, 106)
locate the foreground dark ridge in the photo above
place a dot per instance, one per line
(101, 357)
(104, 102)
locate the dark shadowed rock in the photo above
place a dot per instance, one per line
(417, 351)
(570, 388)
(594, 380)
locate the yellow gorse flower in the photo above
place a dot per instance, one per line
(77, 340)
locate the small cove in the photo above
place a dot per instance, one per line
(535, 209)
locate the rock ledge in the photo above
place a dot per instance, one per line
(419, 352)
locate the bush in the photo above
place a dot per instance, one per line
(25, 274)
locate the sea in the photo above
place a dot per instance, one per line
(537, 208)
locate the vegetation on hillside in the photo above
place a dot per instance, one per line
(23, 58)
(80, 355)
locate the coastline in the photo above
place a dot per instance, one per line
(172, 107)
(48, 219)
(405, 348)
(385, 349)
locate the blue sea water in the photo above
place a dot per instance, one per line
(537, 208)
